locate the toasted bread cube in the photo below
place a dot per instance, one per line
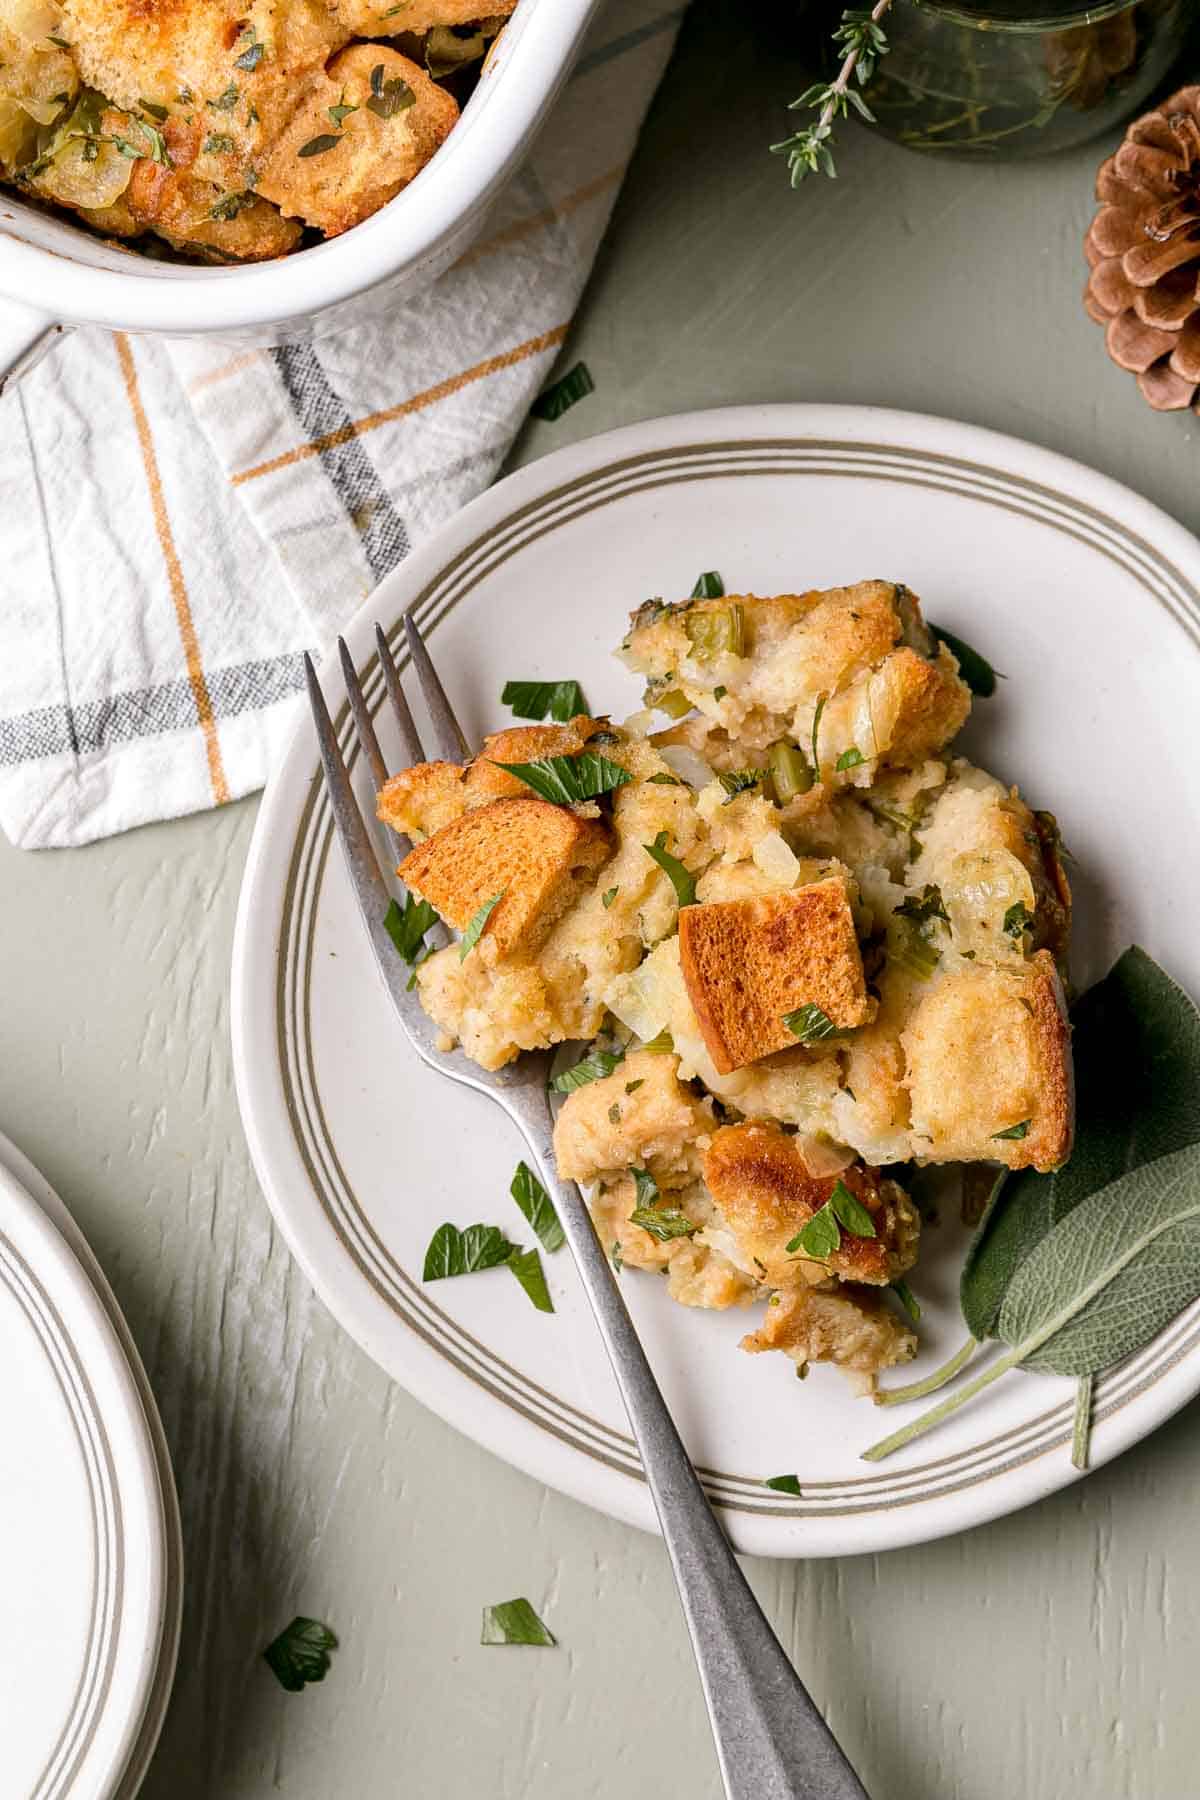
(748, 962)
(382, 18)
(640, 1116)
(419, 801)
(377, 150)
(758, 1178)
(537, 856)
(988, 1052)
(848, 1326)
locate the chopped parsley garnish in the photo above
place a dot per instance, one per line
(922, 907)
(719, 693)
(1015, 1131)
(513, 1621)
(224, 102)
(907, 1299)
(664, 779)
(822, 1236)
(537, 1207)
(663, 1222)
(558, 700)
(148, 106)
(614, 1113)
(526, 1265)
(659, 1044)
(738, 781)
(646, 1187)
(563, 394)
(594, 1067)
(783, 1484)
(466, 1252)
(1017, 919)
(569, 780)
(631, 1087)
(682, 881)
(607, 899)
(317, 146)
(475, 929)
(217, 144)
(850, 759)
(975, 670)
(341, 112)
(808, 1024)
(230, 205)
(388, 97)
(709, 586)
(300, 1653)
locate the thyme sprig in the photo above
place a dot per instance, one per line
(862, 41)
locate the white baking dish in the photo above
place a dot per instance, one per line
(53, 272)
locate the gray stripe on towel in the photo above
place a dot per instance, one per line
(351, 472)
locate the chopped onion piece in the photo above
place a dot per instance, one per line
(821, 1156)
(772, 856)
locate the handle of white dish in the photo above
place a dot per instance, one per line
(25, 337)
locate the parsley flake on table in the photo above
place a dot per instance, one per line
(300, 1653)
(514, 1622)
(563, 394)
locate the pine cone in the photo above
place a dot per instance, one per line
(1144, 250)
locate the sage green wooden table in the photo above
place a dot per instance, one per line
(1049, 1656)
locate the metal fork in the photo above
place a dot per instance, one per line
(772, 1743)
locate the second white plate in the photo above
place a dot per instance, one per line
(1083, 594)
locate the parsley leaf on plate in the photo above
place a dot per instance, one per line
(537, 1207)
(514, 1622)
(559, 700)
(300, 1653)
(569, 780)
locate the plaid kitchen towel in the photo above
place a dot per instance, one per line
(182, 522)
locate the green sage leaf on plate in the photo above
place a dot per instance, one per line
(558, 700)
(526, 1265)
(709, 586)
(300, 1653)
(475, 929)
(570, 780)
(406, 925)
(681, 879)
(514, 1622)
(563, 394)
(593, 1067)
(537, 1207)
(466, 1252)
(975, 670)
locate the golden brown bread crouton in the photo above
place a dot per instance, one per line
(333, 178)
(849, 1326)
(419, 801)
(989, 1067)
(748, 962)
(640, 1116)
(381, 18)
(532, 853)
(758, 1178)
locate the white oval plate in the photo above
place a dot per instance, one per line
(1083, 594)
(89, 1606)
(129, 1779)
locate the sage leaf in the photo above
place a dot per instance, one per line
(1112, 1273)
(975, 670)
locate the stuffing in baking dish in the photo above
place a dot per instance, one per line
(231, 130)
(811, 943)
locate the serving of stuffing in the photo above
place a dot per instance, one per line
(809, 946)
(231, 130)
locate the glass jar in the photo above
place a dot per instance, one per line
(968, 81)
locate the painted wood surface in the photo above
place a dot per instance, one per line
(1049, 1655)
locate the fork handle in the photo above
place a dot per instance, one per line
(772, 1743)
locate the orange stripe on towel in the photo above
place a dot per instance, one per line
(179, 594)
